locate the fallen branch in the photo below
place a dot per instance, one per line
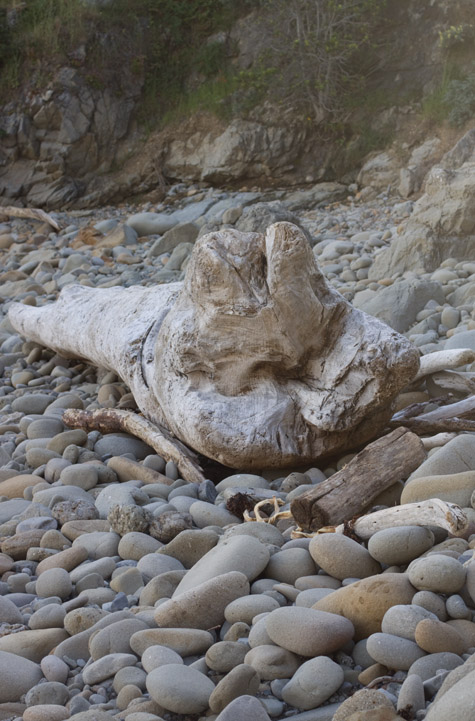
(110, 420)
(345, 494)
(458, 416)
(31, 213)
(432, 512)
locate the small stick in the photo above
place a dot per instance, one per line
(31, 213)
(110, 420)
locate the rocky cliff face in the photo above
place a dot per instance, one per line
(58, 145)
(53, 143)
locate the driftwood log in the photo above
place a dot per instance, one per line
(381, 464)
(253, 360)
(458, 416)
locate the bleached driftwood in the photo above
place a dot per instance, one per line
(440, 439)
(444, 360)
(432, 512)
(30, 213)
(253, 360)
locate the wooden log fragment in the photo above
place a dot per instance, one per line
(443, 360)
(110, 420)
(30, 213)
(342, 496)
(458, 416)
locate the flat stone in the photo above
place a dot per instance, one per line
(18, 675)
(162, 586)
(134, 545)
(48, 692)
(204, 605)
(11, 508)
(116, 444)
(50, 616)
(307, 631)
(342, 557)
(241, 553)
(185, 641)
(32, 645)
(365, 602)
(17, 546)
(45, 712)
(107, 666)
(32, 403)
(154, 564)
(99, 544)
(180, 689)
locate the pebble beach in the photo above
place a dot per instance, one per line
(127, 592)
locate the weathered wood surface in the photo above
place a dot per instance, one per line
(345, 494)
(458, 416)
(253, 361)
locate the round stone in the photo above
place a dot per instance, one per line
(80, 474)
(402, 620)
(134, 545)
(398, 546)
(225, 655)
(155, 656)
(434, 636)
(393, 651)
(246, 607)
(272, 662)
(55, 582)
(54, 669)
(365, 602)
(288, 565)
(180, 689)
(313, 683)
(307, 631)
(341, 557)
(18, 676)
(45, 712)
(427, 666)
(438, 573)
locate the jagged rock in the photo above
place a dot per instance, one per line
(128, 519)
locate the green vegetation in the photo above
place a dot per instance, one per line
(453, 100)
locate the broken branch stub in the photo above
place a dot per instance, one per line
(253, 360)
(346, 493)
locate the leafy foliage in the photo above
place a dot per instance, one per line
(459, 98)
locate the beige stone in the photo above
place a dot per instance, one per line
(363, 702)
(365, 602)
(67, 559)
(453, 487)
(434, 636)
(17, 546)
(14, 487)
(33, 645)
